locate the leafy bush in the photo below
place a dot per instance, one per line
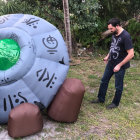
(134, 29)
(88, 18)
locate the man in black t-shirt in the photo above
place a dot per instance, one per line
(117, 60)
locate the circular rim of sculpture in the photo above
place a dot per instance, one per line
(27, 51)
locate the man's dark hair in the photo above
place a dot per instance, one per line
(114, 22)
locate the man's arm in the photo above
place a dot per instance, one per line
(129, 56)
(106, 58)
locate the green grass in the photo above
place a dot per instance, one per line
(95, 122)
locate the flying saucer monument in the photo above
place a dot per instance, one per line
(33, 62)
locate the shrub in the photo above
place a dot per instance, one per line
(134, 29)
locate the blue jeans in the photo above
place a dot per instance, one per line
(119, 76)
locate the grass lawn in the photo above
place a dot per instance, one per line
(95, 122)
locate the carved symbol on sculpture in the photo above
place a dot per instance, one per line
(45, 77)
(51, 43)
(7, 81)
(11, 102)
(62, 61)
(3, 19)
(31, 22)
(14, 37)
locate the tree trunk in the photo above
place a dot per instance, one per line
(67, 26)
(105, 34)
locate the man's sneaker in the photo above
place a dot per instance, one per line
(111, 106)
(96, 101)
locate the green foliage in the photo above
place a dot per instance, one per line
(134, 29)
(134, 7)
(84, 20)
(16, 6)
(88, 17)
(110, 9)
(123, 9)
(84, 15)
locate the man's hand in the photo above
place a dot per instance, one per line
(106, 59)
(116, 68)
(126, 59)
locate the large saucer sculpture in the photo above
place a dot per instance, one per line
(42, 65)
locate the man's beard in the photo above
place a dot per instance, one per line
(115, 32)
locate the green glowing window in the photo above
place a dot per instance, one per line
(9, 53)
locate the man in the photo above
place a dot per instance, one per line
(117, 61)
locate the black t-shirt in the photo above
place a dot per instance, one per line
(118, 50)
